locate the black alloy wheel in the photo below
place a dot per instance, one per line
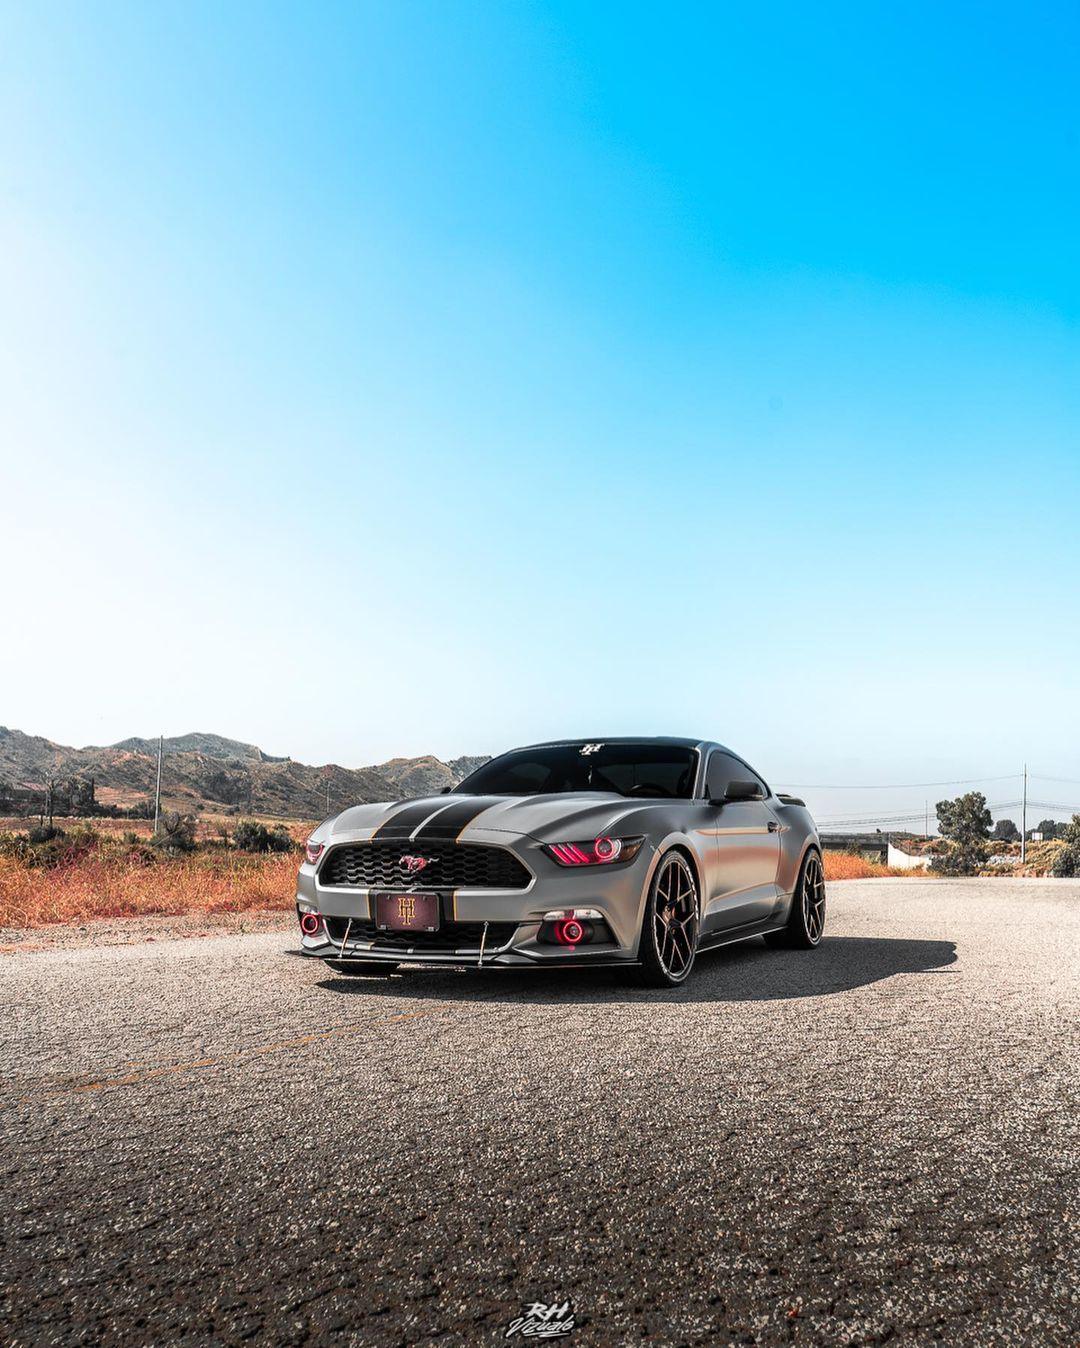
(806, 925)
(669, 934)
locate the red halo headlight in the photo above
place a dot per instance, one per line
(603, 851)
(607, 849)
(313, 850)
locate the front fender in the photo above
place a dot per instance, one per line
(694, 853)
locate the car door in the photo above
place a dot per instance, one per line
(747, 837)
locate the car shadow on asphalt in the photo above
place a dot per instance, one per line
(749, 972)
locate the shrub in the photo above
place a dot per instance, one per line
(141, 852)
(176, 832)
(43, 833)
(251, 836)
(17, 846)
(967, 858)
(47, 847)
(1042, 857)
(1067, 860)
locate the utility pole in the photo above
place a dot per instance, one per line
(157, 789)
(328, 797)
(1023, 821)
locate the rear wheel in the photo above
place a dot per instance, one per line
(806, 924)
(362, 968)
(669, 932)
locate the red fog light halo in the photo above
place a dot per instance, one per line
(310, 923)
(569, 931)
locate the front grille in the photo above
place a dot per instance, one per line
(450, 936)
(376, 865)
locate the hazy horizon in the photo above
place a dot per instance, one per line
(902, 807)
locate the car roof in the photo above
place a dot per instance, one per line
(675, 741)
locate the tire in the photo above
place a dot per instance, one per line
(806, 924)
(669, 942)
(362, 968)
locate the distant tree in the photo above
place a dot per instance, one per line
(965, 824)
(1006, 831)
(1067, 861)
(966, 819)
(1050, 828)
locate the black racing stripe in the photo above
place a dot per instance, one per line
(402, 824)
(454, 820)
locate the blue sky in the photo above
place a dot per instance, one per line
(433, 377)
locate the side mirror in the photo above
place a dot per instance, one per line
(744, 790)
(446, 790)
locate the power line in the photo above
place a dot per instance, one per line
(903, 786)
(865, 822)
(911, 786)
(900, 814)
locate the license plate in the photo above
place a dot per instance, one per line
(407, 912)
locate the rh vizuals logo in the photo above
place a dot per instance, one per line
(541, 1320)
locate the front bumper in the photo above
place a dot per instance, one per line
(488, 927)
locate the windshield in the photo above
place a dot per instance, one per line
(664, 770)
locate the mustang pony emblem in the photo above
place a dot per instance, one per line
(413, 865)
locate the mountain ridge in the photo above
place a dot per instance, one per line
(207, 772)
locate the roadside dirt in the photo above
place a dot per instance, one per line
(138, 930)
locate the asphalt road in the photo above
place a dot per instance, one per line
(217, 1142)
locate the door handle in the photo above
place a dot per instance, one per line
(774, 827)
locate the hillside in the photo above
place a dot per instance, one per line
(425, 776)
(212, 746)
(209, 772)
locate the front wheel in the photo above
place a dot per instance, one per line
(806, 924)
(669, 932)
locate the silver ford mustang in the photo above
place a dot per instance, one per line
(632, 852)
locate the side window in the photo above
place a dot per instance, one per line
(747, 773)
(722, 769)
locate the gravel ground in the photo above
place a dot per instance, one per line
(136, 930)
(216, 1142)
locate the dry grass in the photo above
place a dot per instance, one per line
(207, 826)
(110, 882)
(846, 866)
(100, 885)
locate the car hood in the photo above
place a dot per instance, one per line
(548, 818)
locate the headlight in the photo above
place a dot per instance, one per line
(602, 851)
(313, 850)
